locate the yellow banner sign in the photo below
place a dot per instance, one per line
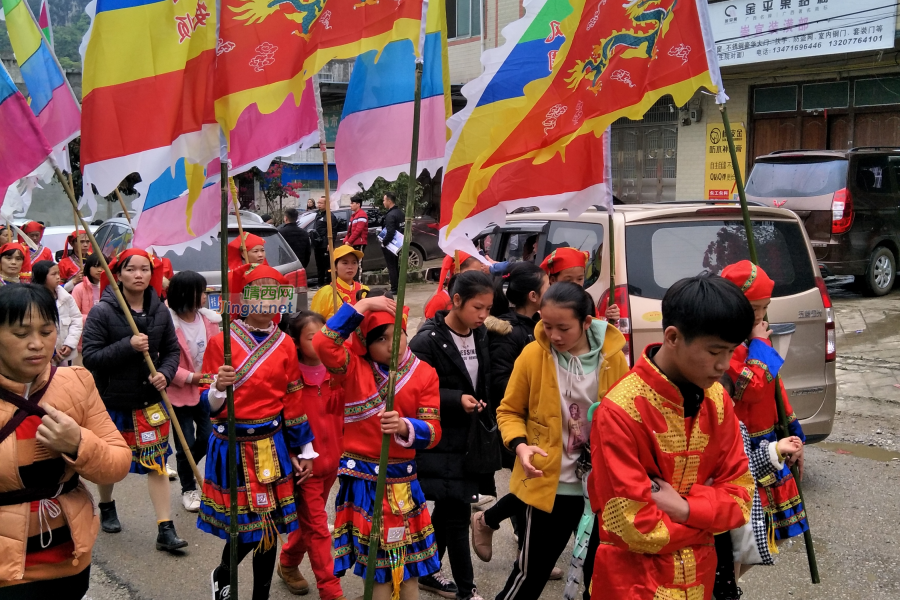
(719, 172)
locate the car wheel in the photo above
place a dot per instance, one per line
(416, 260)
(880, 275)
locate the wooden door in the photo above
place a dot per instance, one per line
(877, 129)
(840, 133)
(774, 134)
(813, 137)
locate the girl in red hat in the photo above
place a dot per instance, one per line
(441, 299)
(72, 264)
(15, 264)
(256, 251)
(569, 264)
(355, 345)
(275, 441)
(35, 231)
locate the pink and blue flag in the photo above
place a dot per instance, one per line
(23, 146)
(374, 137)
(50, 97)
(181, 208)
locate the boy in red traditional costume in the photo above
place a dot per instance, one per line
(754, 371)
(669, 468)
(325, 407)
(408, 549)
(35, 231)
(274, 436)
(569, 264)
(71, 265)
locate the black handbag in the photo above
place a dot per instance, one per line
(483, 456)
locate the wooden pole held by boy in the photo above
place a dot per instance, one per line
(229, 391)
(375, 536)
(321, 118)
(237, 216)
(127, 312)
(782, 427)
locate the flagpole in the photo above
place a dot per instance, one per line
(231, 463)
(127, 311)
(122, 204)
(237, 215)
(782, 429)
(612, 261)
(375, 536)
(324, 149)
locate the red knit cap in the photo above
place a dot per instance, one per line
(751, 278)
(371, 320)
(565, 258)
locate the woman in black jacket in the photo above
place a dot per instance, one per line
(455, 344)
(115, 358)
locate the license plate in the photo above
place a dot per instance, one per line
(213, 301)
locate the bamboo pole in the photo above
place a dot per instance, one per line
(229, 391)
(377, 524)
(612, 261)
(237, 215)
(782, 428)
(322, 146)
(127, 311)
(122, 204)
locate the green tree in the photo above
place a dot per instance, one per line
(400, 188)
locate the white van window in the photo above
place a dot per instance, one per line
(661, 254)
(797, 178)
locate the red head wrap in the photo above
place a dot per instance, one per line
(72, 239)
(752, 280)
(32, 226)
(235, 258)
(155, 263)
(239, 278)
(371, 320)
(26, 255)
(448, 266)
(565, 258)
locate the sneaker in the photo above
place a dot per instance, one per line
(191, 501)
(220, 581)
(482, 537)
(294, 580)
(473, 596)
(556, 574)
(172, 473)
(436, 583)
(109, 519)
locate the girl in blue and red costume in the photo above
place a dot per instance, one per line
(355, 345)
(754, 369)
(274, 436)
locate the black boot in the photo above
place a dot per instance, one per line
(109, 520)
(220, 579)
(167, 539)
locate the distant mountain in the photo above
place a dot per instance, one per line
(69, 25)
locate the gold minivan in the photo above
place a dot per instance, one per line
(658, 244)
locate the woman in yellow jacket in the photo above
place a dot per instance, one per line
(573, 361)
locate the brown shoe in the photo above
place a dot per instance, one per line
(482, 537)
(294, 580)
(556, 574)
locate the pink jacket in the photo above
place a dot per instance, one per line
(181, 393)
(84, 296)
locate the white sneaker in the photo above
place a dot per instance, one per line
(191, 501)
(172, 473)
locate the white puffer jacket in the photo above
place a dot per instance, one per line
(71, 322)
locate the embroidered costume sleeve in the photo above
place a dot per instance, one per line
(297, 431)
(213, 358)
(329, 342)
(427, 422)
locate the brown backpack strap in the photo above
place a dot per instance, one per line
(26, 407)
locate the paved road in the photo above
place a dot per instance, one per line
(851, 487)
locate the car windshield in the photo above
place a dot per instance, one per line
(207, 258)
(661, 254)
(306, 218)
(797, 178)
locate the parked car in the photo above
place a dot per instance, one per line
(116, 234)
(849, 202)
(658, 244)
(422, 247)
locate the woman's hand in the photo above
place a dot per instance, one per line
(378, 304)
(140, 342)
(225, 377)
(58, 431)
(525, 454)
(761, 331)
(158, 381)
(302, 468)
(612, 313)
(65, 351)
(671, 502)
(392, 424)
(470, 404)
